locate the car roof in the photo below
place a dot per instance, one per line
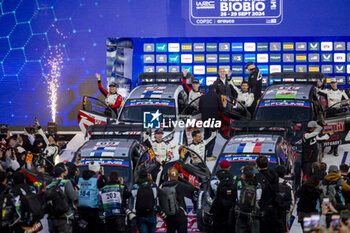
(156, 91)
(252, 143)
(112, 148)
(288, 91)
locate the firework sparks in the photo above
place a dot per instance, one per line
(54, 65)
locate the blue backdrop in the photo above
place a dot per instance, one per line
(34, 32)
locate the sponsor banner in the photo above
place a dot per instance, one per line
(326, 46)
(186, 58)
(224, 47)
(237, 58)
(148, 58)
(198, 69)
(264, 69)
(288, 68)
(212, 58)
(275, 69)
(210, 12)
(198, 47)
(348, 71)
(161, 47)
(339, 46)
(249, 47)
(300, 57)
(275, 46)
(198, 58)
(188, 68)
(161, 58)
(186, 47)
(201, 80)
(237, 69)
(288, 57)
(224, 58)
(288, 46)
(327, 69)
(339, 57)
(174, 69)
(212, 70)
(149, 69)
(300, 68)
(314, 57)
(262, 58)
(249, 57)
(300, 46)
(326, 57)
(284, 103)
(314, 46)
(262, 47)
(148, 48)
(314, 68)
(161, 68)
(339, 69)
(236, 47)
(174, 47)
(275, 57)
(174, 58)
(212, 47)
(211, 80)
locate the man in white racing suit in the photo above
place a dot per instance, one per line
(244, 96)
(334, 96)
(198, 145)
(193, 93)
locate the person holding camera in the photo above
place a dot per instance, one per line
(89, 201)
(145, 202)
(114, 196)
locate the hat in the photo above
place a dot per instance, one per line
(195, 81)
(224, 164)
(332, 168)
(57, 171)
(159, 131)
(249, 63)
(312, 124)
(94, 166)
(173, 172)
(333, 80)
(143, 174)
(113, 84)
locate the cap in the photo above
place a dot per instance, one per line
(143, 174)
(159, 131)
(113, 84)
(224, 164)
(173, 172)
(312, 124)
(195, 81)
(94, 166)
(333, 80)
(248, 64)
(57, 171)
(332, 168)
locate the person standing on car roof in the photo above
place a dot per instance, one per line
(334, 96)
(244, 96)
(310, 147)
(89, 201)
(222, 84)
(113, 99)
(161, 149)
(223, 197)
(254, 80)
(175, 221)
(193, 93)
(198, 145)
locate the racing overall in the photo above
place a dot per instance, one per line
(246, 98)
(89, 202)
(113, 200)
(199, 148)
(163, 152)
(334, 96)
(310, 149)
(192, 94)
(114, 100)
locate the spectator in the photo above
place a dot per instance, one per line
(4, 192)
(254, 80)
(244, 96)
(285, 199)
(222, 187)
(247, 192)
(145, 202)
(344, 172)
(334, 96)
(310, 147)
(209, 106)
(309, 196)
(62, 223)
(178, 220)
(222, 85)
(113, 99)
(269, 181)
(89, 201)
(317, 171)
(114, 196)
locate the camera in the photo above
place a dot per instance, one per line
(131, 215)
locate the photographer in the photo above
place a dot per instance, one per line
(89, 201)
(114, 196)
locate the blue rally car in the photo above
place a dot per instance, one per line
(239, 151)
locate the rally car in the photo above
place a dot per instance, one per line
(239, 150)
(294, 97)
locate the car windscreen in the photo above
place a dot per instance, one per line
(134, 109)
(296, 111)
(122, 167)
(238, 161)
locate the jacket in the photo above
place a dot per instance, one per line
(246, 98)
(309, 144)
(334, 96)
(115, 100)
(255, 83)
(209, 106)
(224, 88)
(161, 149)
(199, 148)
(269, 181)
(114, 198)
(308, 198)
(334, 177)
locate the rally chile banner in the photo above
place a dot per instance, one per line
(232, 12)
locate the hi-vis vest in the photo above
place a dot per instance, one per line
(112, 199)
(89, 194)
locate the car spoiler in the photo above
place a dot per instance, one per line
(160, 77)
(296, 77)
(128, 131)
(271, 127)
